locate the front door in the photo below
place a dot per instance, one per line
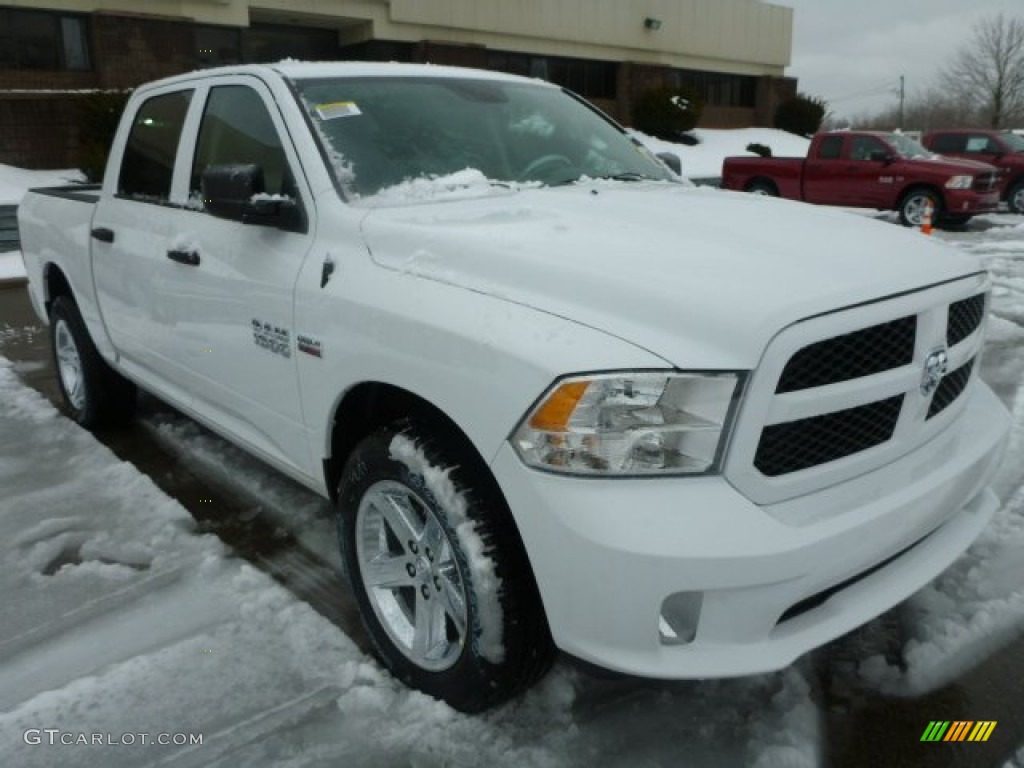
(236, 323)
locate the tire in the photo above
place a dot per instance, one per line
(1015, 197)
(762, 187)
(94, 394)
(424, 536)
(912, 207)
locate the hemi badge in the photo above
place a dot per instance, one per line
(310, 346)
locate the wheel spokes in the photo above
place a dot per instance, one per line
(388, 572)
(430, 636)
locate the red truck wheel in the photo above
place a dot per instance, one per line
(762, 187)
(915, 203)
(1015, 197)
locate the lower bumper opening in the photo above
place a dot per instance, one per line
(820, 598)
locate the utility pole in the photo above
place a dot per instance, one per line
(903, 94)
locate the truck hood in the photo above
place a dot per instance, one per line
(702, 278)
(953, 165)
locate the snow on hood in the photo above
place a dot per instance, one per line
(700, 277)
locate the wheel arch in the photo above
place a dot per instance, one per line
(55, 283)
(372, 404)
(765, 181)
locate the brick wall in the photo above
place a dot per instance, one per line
(39, 130)
(129, 51)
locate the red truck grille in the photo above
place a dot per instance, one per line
(986, 182)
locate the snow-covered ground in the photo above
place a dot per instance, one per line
(118, 620)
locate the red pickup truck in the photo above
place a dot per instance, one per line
(885, 171)
(1002, 149)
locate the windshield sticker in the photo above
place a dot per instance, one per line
(337, 109)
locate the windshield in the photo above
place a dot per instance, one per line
(380, 132)
(1015, 142)
(907, 147)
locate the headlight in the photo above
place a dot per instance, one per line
(632, 423)
(960, 182)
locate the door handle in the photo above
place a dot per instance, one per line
(103, 234)
(188, 258)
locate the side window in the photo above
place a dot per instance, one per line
(237, 130)
(949, 143)
(148, 163)
(864, 146)
(830, 148)
(981, 145)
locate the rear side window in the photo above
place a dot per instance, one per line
(148, 164)
(951, 143)
(830, 148)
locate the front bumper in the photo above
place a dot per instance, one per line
(607, 553)
(968, 202)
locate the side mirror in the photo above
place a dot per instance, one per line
(881, 156)
(237, 192)
(227, 188)
(671, 159)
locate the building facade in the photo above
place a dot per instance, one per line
(609, 51)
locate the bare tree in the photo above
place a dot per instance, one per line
(987, 74)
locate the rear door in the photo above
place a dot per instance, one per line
(823, 182)
(133, 227)
(235, 313)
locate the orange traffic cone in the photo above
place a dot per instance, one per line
(926, 220)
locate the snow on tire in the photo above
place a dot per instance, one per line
(442, 584)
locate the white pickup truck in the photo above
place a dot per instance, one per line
(560, 397)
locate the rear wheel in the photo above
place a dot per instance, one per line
(95, 395)
(915, 203)
(442, 584)
(1015, 197)
(762, 187)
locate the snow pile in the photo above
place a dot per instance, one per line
(14, 182)
(704, 160)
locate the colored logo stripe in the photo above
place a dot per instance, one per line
(959, 730)
(982, 730)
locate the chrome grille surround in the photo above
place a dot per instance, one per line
(766, 410)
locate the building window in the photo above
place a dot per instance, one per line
(41, 40)
(216, 46)
(273, 42)
(720, 89)
(590, 79)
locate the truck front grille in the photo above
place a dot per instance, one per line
(985, 182)
(797, 445)
(950, 388)
(964, 318)
(844, 393)
(851, 356)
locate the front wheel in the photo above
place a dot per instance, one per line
(914, 205)
(1015, 198)
(442, 584)
(95, 394)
